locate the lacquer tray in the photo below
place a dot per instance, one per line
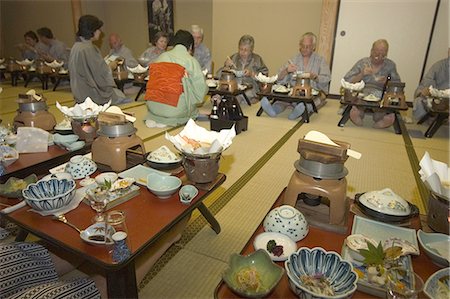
(379, 232)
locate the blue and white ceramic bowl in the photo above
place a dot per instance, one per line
(49, 195)
(80, 167)
(288, 221)
(319, 263)
(438, 284)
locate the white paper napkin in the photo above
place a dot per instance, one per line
(353, 86)
(84, 110)
(217, 141)
(264, 79)
(435, 174)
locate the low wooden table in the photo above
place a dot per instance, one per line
(329, 241)
(382, 105)
(229, 94)
(148, 219)
(39, 163)
(273, 97)
(440, 112)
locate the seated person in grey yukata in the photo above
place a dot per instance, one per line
(437, 76)
(373, 70)
(306, 61)
(201, 52)
(90, 76)
(118, 49)
(248, 62)
(32, 48)
(159, 45)
(57, 50)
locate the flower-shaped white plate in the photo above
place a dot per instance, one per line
(289, 246)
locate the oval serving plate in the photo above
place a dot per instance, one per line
(94, 234)
(381, 208)
(289, 246)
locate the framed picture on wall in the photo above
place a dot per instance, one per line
(160, 17)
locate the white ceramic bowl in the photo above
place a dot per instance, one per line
(287, 220)
(49, 195)
(8, 155)
(436, 245)
(70, 138)
(163, 186)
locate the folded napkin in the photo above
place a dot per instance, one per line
(138, 69)
(264, 79)
(444, 93)
(14, 207)
(25, 62)
(194, 139)
(55, 64)
(353, 86)
(84, 110)
(435, 174)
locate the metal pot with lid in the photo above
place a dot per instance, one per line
(116, 130)
(228, 81)
(27, 103)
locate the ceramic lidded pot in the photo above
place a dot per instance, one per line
(80, 167)
(288, 221)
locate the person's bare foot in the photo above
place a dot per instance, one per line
(356, 116)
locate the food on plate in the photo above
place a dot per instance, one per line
(318, 284)
(248, 279)
(275, 249)
(162, 154)
(194, 143)
(443, 287)
(371, 97)
(122, 184)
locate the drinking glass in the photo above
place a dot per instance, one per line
(403, 284)
(98, 198)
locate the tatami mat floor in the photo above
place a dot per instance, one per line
(258, 166)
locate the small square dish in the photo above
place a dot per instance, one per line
(140, 173)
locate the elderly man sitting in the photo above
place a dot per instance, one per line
(438, 77)
(201, 52)
(118, 49)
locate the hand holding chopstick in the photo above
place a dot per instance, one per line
(229, 62)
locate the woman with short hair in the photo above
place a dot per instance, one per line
(159, 45)
(247, 61)
(90, 76)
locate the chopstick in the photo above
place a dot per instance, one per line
(233, 65)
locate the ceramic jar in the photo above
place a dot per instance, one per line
(80, 167)
(288, 221)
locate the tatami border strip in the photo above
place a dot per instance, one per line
(414, 161)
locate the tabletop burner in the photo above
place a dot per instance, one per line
(114, 142)
(318, 186)
(33, 113)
